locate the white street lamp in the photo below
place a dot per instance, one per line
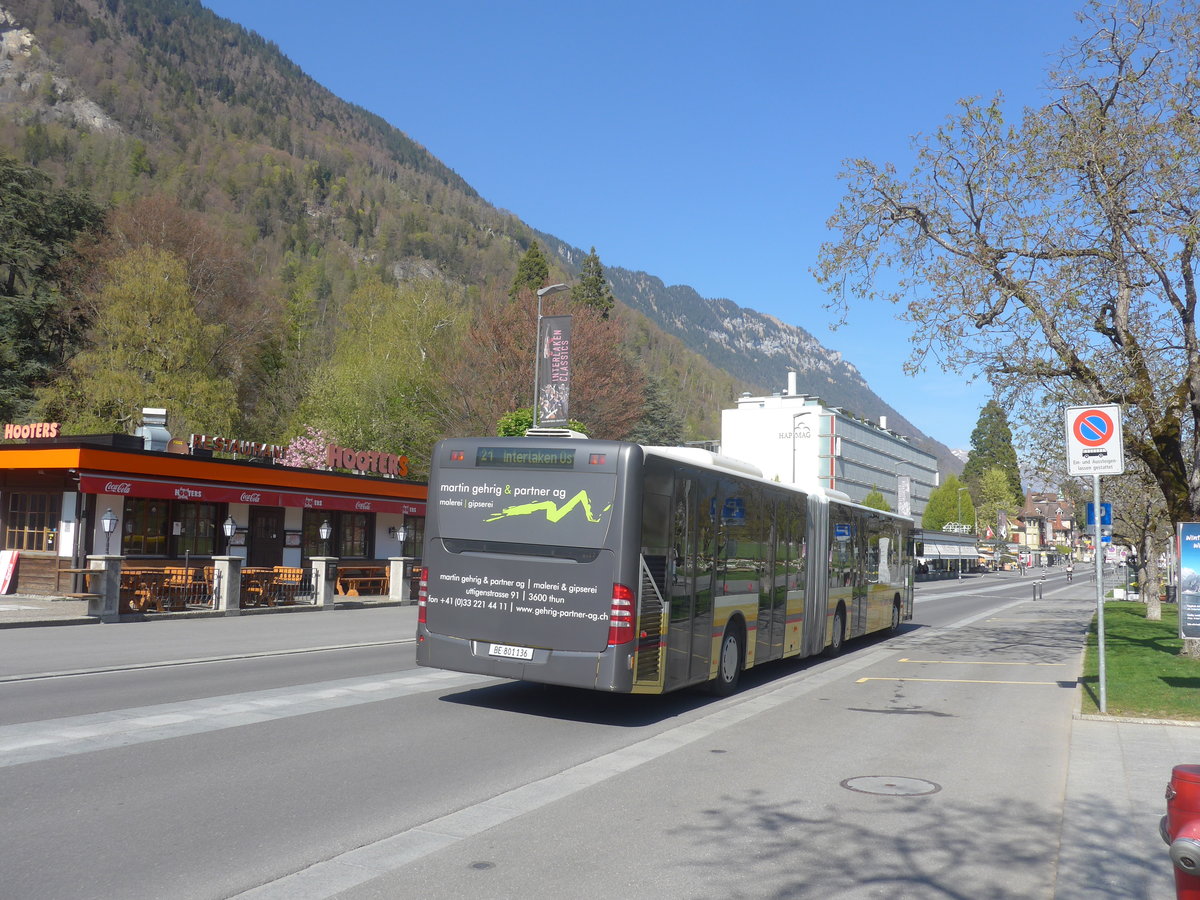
(537, 349)
(108, 522)
(325, 531)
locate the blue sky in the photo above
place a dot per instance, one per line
(697, 141)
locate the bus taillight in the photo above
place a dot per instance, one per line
(620, 616)
(422, 595)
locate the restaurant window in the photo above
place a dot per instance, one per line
(32, 522)
(145, 532)
(354, 535)
(195, 529)
(414, 538)
(349, 537)
(312, 545)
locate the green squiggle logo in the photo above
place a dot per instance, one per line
(553, 511)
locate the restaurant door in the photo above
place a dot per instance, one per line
(266, 536)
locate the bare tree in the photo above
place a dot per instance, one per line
(1057, 254)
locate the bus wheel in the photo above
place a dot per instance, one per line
(839, 633)
(896, 616)
(729, 665)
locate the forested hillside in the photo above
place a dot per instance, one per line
(190, 221)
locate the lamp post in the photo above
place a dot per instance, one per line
(960, 521)
(537, 346)
(325, 531)
(108, 522)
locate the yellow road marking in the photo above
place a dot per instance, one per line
(972, 662)
(959, 681)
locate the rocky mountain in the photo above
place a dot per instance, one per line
(128, 98)
(757, 348)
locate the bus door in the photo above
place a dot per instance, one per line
(816, 600)
(689, 629)
(765, 524)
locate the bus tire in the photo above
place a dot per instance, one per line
(895, 615)
(729, 662)
(839, 633)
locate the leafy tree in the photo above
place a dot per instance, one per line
(875, 500)
(593, 288)
(661, 424)
(1140, 521)
(225, 288)
(40, 326)
(606, 385)
(1057, 253)
(949, 502)
(517, 422)
(992, 448)
(383, 388)
(532, 272)
(995, 497)
(149, 348)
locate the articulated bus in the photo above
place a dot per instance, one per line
(617, 567)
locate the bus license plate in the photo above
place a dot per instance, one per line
(511, 652)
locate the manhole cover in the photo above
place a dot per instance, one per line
(891, 785)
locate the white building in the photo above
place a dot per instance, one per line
(798, 439)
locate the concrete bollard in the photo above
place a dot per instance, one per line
(325, 573)
(108, 585)
(227, 584)
(398, 587)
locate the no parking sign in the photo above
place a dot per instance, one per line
(1094, 445)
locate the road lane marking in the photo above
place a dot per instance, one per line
(194, 661)
(55, 738)
(972, 662)
(959, 681)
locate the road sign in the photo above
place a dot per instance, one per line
(1094, 445)
(1105, 514)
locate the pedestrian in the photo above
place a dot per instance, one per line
(1070, 571)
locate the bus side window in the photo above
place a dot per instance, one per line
(656, 526)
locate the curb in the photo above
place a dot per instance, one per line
(191, 615)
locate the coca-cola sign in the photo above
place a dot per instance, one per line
(96, 483)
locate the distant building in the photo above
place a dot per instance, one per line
(1047, 522)
(797, 439)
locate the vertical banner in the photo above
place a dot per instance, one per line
(554, 372)
(1189, 579)
(904, 495)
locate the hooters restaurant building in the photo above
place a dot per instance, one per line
(174, 500)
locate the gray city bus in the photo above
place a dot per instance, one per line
(617, 567)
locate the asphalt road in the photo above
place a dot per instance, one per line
(307, 757)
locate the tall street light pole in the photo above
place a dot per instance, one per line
(537, 348)
(960, 522)
(796, 416)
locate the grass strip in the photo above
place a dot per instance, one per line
(1145, 675)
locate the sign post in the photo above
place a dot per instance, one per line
(1095, 447)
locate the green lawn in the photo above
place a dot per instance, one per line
(1146, 676)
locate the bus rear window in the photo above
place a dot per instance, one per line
(524, 506)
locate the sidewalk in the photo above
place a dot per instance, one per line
(18, 610)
